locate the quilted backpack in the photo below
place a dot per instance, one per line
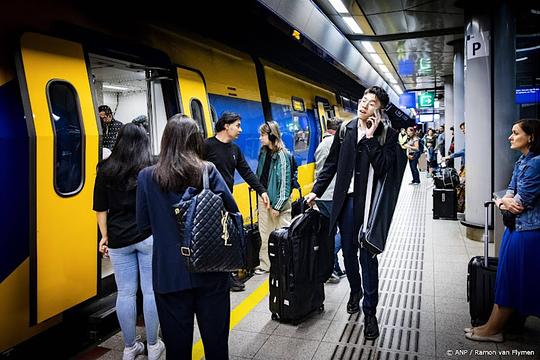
(211, 239)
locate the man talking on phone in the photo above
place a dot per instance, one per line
(358, 160)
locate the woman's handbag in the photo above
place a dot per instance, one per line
(211, 239)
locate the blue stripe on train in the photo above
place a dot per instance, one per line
(14, 180)
(253, 116)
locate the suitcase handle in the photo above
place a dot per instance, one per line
(250, 206)
(485, 237)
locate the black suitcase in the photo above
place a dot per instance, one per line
(253, 241)
(481, 274)
(444, 204)
(296, 289)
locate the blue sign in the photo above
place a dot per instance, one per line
(406, 68)
(408, 100)
(530, 95)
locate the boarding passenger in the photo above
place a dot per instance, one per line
(109, 125)
(324, 203)
(403, 138)
(180, 294)
(413, 147)
(227, 157)
(274, 172)
(130, 250)
(517, 288)
(440, 147)
(431, 143)
(358, 159)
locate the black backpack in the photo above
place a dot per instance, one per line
(294, 173)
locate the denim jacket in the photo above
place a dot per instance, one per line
(525, 186)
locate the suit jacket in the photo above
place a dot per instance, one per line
(346, 156)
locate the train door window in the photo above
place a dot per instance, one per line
(197, 113)
(300, 125)
(214, 114)
(69, 133)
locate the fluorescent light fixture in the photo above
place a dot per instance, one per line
(352, 24)
(529, 48)
(535, 12)
(376, 58)
(398, 89)
(338, 6)
(522, 59)
(436, 104)
(383, 68)
(367, 45)
(390, 77)
(113, 87)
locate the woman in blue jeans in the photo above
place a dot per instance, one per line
(517, 287)
(130, 250)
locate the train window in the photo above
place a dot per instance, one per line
(197, 113)
(68, 137)
(300, 129)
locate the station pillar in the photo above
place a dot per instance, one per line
(459, 99)
(448, 111)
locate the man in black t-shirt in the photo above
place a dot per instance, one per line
(227, 157)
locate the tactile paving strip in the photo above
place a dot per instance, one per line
(400, 288)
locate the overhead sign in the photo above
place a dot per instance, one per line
(407, 100)
(298, 104)
(528, 95)
(426, 99)
(478, 45)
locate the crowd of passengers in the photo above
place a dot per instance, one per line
(134, 194)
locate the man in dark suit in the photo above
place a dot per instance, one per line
(358, 160)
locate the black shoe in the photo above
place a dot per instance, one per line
(353, 306)
(371, 327)
(237, 285)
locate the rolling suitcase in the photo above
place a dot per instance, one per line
(481, 274)
(253, 241)
(444, 204)
(296, 289)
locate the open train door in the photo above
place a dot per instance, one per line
(194, 98)
(64, 139)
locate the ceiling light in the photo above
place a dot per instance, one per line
(535, 12)
(112, 87)
(397, 88)
(384, 69)
(352, 24)
(522, 59)
(367, 45)
(338, 6)
(391, 78)
(376, 58)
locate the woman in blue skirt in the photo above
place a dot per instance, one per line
(517, 286)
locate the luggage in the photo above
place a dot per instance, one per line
(422, 162)
(298, 206)
(296, 275)
(444, 204)
(253, 241)
(481, 275)
(446, 178)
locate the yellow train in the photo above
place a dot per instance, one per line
(51, 83)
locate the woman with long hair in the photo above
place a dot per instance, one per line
(274, 172)
(179, 294)
(517, 288)
(130, 250)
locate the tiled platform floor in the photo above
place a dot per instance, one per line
(422, 306)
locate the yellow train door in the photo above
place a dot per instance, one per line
(320, 104)
(194, 98)
(64, 140)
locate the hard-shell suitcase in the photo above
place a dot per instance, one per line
(481, 274)
(253, 241)
(444, 204)
(296, 288)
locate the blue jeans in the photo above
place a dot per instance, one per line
(414, 170)
(370, 264)
(128, 262)
(325, 207)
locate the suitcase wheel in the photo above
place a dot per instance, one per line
(320, 310)
(274, 317)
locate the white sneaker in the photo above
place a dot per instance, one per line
(260, 272)
(155, 351)
(130, 353)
